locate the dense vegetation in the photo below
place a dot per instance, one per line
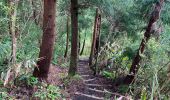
(125, 41)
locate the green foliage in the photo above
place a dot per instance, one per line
(3, 18)
(129, 19)
(32, 81)
(4, 95)
(28, 42)
(26, 80)
(4, 49)
(144, 94)
(4, 92)
(123, 88)
(48, 92)
(108, 74)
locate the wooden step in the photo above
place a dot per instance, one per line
(98, 86)
(87, 76)
(90, 81)
(82, 96)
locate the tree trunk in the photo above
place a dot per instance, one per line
(94, 39)
(48, 39)
(40, 18)
(34, 12)
(13, 4)
(67, 40)
(79, 41)
(97, 45)
(84, 42)
(135, 64)
(75, 38)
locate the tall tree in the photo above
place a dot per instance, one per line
(135, 64)
(79, 40)
(34, 11)
(97, 45)
(67, 37)
(48, 39)
(84, 42)
(13, 4)
(94, 38)
(75, 38)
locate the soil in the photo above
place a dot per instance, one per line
(55, 77)
(87, 87)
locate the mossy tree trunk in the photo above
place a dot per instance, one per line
(97, 45)
(136, 62)
(93, 45)
(13, 4)
(74, 38)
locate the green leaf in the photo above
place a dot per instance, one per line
(125, 58)
(144, 94)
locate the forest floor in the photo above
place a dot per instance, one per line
(92, 87)
(85, 86)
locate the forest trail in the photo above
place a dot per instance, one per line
(94, 87)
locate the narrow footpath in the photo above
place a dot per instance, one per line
(95, 87)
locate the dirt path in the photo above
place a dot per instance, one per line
(94, 87)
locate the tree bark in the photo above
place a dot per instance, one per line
(34, 12)
(48, 40)
(67, 37)
(74, 39)
(94, 39)
(13, 4)
(84, 42)
(97, 45)
(135, 64)
(79, 41)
